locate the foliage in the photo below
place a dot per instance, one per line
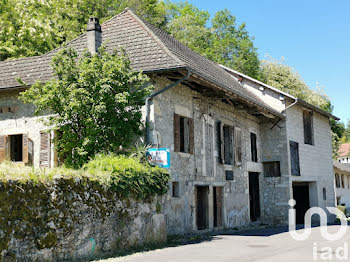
(95, 101)
(346, 133)
(130, 177)
(224, 42)
(283, 77)
(33, 27)
(125, 175)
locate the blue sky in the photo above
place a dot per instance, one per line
(313, 36)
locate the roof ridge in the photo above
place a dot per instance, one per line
(153, 35)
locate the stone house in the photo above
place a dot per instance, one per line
(342, 183)
(344, 153)
(239, 149)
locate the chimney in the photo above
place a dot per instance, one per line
(94, 35)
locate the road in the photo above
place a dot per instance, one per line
(263, 245)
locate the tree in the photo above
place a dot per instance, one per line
(224, 42)
(33, 27)
(232, 46)
(95, 101)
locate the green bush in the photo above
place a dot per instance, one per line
(128, 176)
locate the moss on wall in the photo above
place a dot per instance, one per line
(70, 218)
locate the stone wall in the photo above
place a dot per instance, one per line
(202, 168)
(72, 220)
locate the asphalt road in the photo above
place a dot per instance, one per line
(264, 245)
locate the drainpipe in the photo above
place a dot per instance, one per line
(149, 99)
(294, 103)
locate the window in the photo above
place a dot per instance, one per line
(308, 127)
(324, 194)
(294, 157)
(14, 147)
(272, 169)
(348, 181)
(183, 134)
(176, 189)
(229, 174)
(253, 147)
(337, 181)
(225, 143)
(342, 181)
(228, 145)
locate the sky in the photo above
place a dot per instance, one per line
(313, 37)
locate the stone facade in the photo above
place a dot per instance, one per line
(202, 168)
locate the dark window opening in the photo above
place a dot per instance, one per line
(324, 194)
(272, 169)
(342, 181)
(308, 127)
(176, 189)
(294, 157)
(229, 174)
(253, 146)
(183, 134)
(16, 148)
(337, 181)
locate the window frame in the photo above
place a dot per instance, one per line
(277, 168)
(308, 127)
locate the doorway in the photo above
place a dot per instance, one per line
(16, 148)
(217, 193)
(302, 197)
(254, 196)
(202, 207)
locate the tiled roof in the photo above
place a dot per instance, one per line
(149, 49)
(342, 167)
(344, 149)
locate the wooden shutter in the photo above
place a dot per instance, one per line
(176, 133)
(45, 149)
(220, 139)
(238, 146)
(228, 145)
(294, 157)
(2, 148)
(25, 148)
(191, 134)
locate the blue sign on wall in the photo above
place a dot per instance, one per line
(159, 157)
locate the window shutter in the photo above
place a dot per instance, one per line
(2, 148)
(238, 146)
(191, 134)
(294, 157)
(176, 133)
(220, 137)
(45, 149)
(25, 148)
